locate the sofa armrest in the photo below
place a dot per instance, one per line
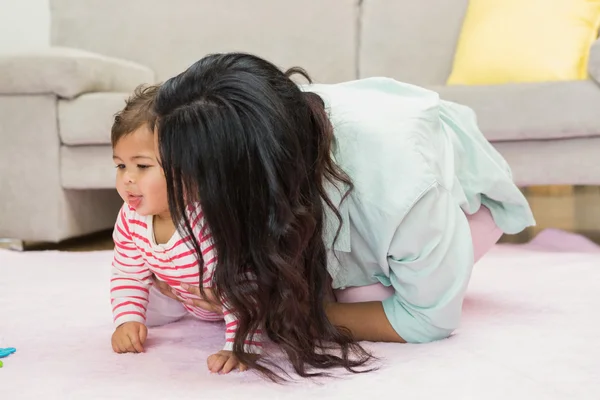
(68, 72)
(594, 61)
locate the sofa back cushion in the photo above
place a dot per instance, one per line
(168, 36)
(410, 40)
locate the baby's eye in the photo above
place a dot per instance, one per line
(142, 166)
(120, 166)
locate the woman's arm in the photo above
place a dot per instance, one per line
(366, 321)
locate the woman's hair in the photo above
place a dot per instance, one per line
(238, 136)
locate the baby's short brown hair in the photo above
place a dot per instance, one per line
(138, 110)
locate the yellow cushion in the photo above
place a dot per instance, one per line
(505, 41)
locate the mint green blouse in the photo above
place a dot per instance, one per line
(418, 165)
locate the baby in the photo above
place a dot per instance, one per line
(147, 243)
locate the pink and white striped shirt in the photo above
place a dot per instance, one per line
(137, 256)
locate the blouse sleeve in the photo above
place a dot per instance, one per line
(430, 260)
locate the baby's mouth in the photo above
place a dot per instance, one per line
(134, 200)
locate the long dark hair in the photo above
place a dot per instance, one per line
(239, 136)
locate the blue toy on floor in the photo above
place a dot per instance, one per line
(6, 352)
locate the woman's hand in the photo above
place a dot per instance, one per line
(224, 362)
(208, 303)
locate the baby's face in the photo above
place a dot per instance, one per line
(140, 178)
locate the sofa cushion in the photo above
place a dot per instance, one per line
(87, 167)
(68, 73)
(87, 119)
(531, 111)
(553, 162)
(544, 41)
(409, 40)
(168, 36)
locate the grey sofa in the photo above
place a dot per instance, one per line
(56, 106)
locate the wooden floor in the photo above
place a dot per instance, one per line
(575, 209)
(571, 208)
(95, 242)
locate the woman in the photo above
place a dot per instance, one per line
(375, 189)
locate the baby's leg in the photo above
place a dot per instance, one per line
(162, 310)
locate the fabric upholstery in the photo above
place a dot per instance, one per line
(553, 162)
(68, 73)
(33, 205)
(594, 61)
(87, 167)
(170, 35)
(516, 41)
(87, 119)
(409, 40)
(29, 164)
(536, 111)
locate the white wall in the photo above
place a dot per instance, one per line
(24, 25)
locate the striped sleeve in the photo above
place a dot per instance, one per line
(130, 276)
(253, 343)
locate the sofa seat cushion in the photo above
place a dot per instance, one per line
(87, 119)
(531, 111)
(526, 111)
(87, 167)
(553, 162)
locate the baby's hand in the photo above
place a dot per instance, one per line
(225, 362)
(129, 338)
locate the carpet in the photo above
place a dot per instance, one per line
(530, 328)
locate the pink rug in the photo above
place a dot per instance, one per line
(531, 328)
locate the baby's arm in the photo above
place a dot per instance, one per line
(129, 287)
(224, 361)
(252, 344)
